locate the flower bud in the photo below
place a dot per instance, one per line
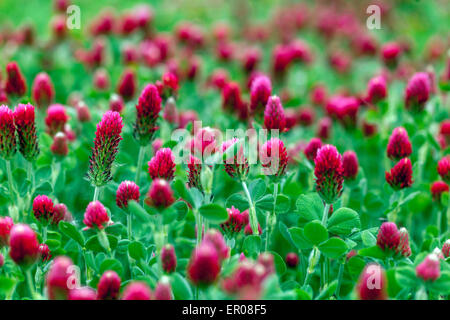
(376, 90)
(83, 113)
(168, 258)
(84, 293)
(235, 222)
(274, 117)
(403, 246)
(292, 260)
(61, 212)
(350, 165)
(15, 82)
(443, 168)
(162, 165)
(399, 145)
(137, 290)
(96, 216)
(260, 91)
(417, 92)
(388, 237)
(127, 190)
(58, 278)
(204, 265)
(108, 286)
(231, 96)
(305, 116)
(390, 53)
(430, 268)
(59, 146)
(24, 118)
(43, 91)
(147, 112)
(7, 133)
(215, 238)
(44, 252)
(160, 194)
(194, 173)
(446, 249)
(236, 164)
(127, 84)
(6, 224)
(274, 158)
(400, 176)
(319, 94)
(372, 283)
(170, 111)
(43, 210)
(168, 87)
(324, 128)
(248, 229)
(24, 246)
(163, 290)
(329, 173)
(116, 103)
(437, 189)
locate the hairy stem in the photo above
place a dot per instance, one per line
(12, 190)
(129, 228)
(96, 193)
(338, 288)
(29, 280)
(313, 259)
(139, 164)
(252, 211)
(326, 209)
(271, 216)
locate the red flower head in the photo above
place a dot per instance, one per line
(388, 237)
(59, 146)
(350, 164)
(194, 171)
(390, 54)
(403, 248)
(430, 268)
(267, 261)
(44, 252)
(376, 89)
(231, 97)
(15, 82)
(58, 278)
(444, 132)
(292, 260)
(7, 133)
(106, 145)
(260, 91)
(281, 60)
(319, 94)
(235, 223)
(417, 92)
(372, 283)
(170, 111)
(306, 116)
(443, 168)
(400, 175)
(83, 113)
(162, 165)
(344, 109)
(324, 128)
(219, 79)
(163, 290)
(56, 119)
(399, 145)
(311, 148)
(84, 293)
(96, 216)
(61, 212)
(137, 290)
(26, 131)
(274, 114)
(147, 112)
(24, 246)
(245, 281)
(116, 103)
(437, 188)
(43, 210)
(6, 224)
(274, 157)
(446, 249)
(168, 87)
(61, 5)
(101, 80)
(204, 142)
(160, 194)
(127, 84)
(369, 129)
(251, 59)
(42, 90)
(108, 286)
(236, 164)
(204, 265)
(127, 190)
(215, 237)
(329, 173)
(168, 258)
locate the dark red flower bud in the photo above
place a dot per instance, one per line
(61, 213)
(344, 109)
(324, 128)
(61, 5)
(44, 252)
(163, 290)
(403, 246)
(329, 173)
(438, 188)
(390, 54)
(23, 244)
(137, 290)
(446, 249)
(162, 165)
(147, 112)
(260, 91)
(292, 260)
(15, 82)
(399, 145)
(127, 190)
(248, 229)
(56, 119)
(417, 92)
(236, 164)
(59, 146)
(235, 222)
(168, 87)
(43, 209)
(444, 132)
(266, 259)
(83, 113)
(101, 80)
(160, 194)
(116, 103)
(58, 278)
(274, 114)
(369, 129)
(96, 216)
(204, 265)
(430, 268)
(24, 118)
(84, 293)
(372, 283)
(42, 90)
(108, 286)
(194, 171)
(7, 133)
(127, 84)
(400, 175)
(251, 59)
(311, 148)
(350, 164)
(170, 111)
(306, 116)
(376, 89)
(215, 237)
(443, 168)
(168, 258)
(6, 224)
(231, 96)
(106, 145)
(319, 94)
(388, 236)
(274, 157)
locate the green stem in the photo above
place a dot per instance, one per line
(96, 193)
(444, 220)
(338, 288)
(271, 216)
(198, 222)
(252, 211)
(44, 234)
(326, 209)
(12, 190)
(56, 168)
(139, 164)
(313, 259)
(29, 280)
(129, 219)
